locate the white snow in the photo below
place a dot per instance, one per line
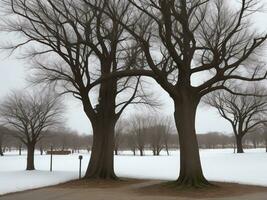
(218, 165)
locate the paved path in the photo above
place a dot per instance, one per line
(122, 192)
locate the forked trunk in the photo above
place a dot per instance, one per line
(191, 174)
(30, 157)
(239, 144)
(102, 156)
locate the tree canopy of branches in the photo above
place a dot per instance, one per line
(187, 40)
(31, 116)
(245, 113)
(84, 45)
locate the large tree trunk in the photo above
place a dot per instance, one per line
(191, 174)
(30, 156)
(101, 165)
(239, 144)
(101, 161)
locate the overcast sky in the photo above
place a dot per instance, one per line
(13, 73)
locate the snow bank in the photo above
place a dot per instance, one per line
(21, 180)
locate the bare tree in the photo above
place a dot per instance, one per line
(213, 140)
(245, 113)
(167, 131)
(255, 137)
(158, 132)
(85, 45)
(130, 142)
(192, 37)
(63, 139)
(208, 40)
(30, 115)
(139, 124)
(120, 132)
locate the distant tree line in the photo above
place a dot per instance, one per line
(141, 136)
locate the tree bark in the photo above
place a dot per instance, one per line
(239, 144)
(101, 161)
(30, 156)
(191, 174)
(103, 123)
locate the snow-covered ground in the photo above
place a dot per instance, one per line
(218, 165)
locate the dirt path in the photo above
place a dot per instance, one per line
(138, 190)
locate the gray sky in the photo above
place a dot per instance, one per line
(13, 73)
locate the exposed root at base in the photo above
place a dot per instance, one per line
(192, 183)
(112, 177)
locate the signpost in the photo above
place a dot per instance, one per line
(80, 167)
(51, 159)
